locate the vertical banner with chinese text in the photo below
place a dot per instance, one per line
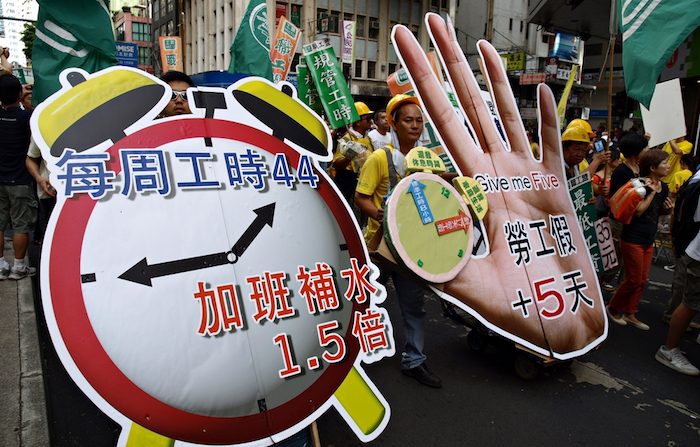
(306, 89)
(170, 53)
(332, 89)
(581, 192)
(348, 41)
(282, 51)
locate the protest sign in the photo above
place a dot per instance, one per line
(665, 117)
(170, 53)
(534, 281)
(332, 88)
(282, 51)
(348, 41)
(203, 279)
(581, 191)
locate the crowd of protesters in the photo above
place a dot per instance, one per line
(367, 161)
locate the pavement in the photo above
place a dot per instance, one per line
(23, 421)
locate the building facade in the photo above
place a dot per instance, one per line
(133, 24)
(11, 30)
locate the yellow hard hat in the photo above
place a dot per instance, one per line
(395, 102)
(575, 133)
(585, 125)
(362, 108)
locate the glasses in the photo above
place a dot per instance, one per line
(176, 94)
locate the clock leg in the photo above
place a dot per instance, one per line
(141, 437)
(364, 410)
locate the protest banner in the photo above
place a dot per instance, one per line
(535, 282)
(244, 333)
(332, 88)
(282, 51)
(348, 41)
(665, 117)
(581, 192)
(170, 53)
(307, 90)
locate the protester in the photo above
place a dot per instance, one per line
(675, 150)
(381, 172)
(534, 147)
(45, 191)
(637, 240)
(687, 167)
(17, 202)
(686, 276)
(575, 142)
(380, 136)
(179, 82)
(347, 166)
(27, 97)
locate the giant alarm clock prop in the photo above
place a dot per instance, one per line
(203, 281)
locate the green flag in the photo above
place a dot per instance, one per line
(70, 33)
(651, 32)
(250, 50)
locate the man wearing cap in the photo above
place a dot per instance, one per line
(379, 174)
(349, 158)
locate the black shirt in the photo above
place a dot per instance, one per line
(14, 143)
(621, 175)
(642, 229)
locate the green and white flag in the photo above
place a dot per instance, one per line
(332, 88)
(250, 50)
(306, 88)
(70, 33)
(651, 32)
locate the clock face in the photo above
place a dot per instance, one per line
(429, 227)
(134, 329)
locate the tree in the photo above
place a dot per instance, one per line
(28, 35)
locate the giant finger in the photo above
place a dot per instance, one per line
(549, 131)
(463, 83)
(502, 94)
(453, 134)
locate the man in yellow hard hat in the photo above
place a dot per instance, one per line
(599, 157)
(349, 158)
(575, 143)
(381, 172)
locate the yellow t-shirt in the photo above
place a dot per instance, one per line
(674, 160)
(678, 179)
(353, 166)
(374, 182)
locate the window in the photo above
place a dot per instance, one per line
(120, 33)
(392, 68)
(171, 6)
(371, 70)
(358, 68)
(156, 10)
(521, 26)
(170, 30)
(145, 56)
(510, 24)
(360, 26)
(140, 31)
(373, 28)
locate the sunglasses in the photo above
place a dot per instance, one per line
(182, 95)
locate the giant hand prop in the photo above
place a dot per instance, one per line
(545, 297)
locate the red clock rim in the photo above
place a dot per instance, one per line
(94, 363)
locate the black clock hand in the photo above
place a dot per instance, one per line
(143, 273)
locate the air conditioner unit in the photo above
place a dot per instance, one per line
(374, 24)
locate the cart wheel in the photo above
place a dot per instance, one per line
(526, 367)
(476, 340)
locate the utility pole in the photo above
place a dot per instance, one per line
(489, 20)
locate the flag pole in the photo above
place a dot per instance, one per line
(613, 37)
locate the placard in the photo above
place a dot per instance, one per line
(665, 118)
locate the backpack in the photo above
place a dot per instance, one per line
(625, 201)
(683, 227)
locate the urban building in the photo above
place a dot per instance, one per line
(11, 30)
(133, 24)
(165, 21)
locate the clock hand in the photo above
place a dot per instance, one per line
(143, 272)
(265, 215)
